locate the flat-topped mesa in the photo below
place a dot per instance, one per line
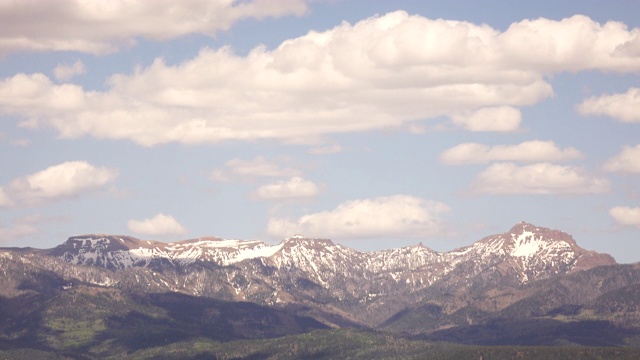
(92, 242)
(119, 252)
(98, 250)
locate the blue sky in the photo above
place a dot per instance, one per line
(377, 126)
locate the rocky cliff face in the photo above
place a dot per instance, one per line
(366, 286)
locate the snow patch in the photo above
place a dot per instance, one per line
(258, 252)
(526, 244)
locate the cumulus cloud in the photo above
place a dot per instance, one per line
(66, 72)
(239, 169)
(20, 228)
(540, 178)
(623, 107)
(33, 95)
(159, 225)
(625, 215)
(5, 201)
(65, 180)
(24, 226)
(100, 27)
(528, 151)
(382, 217)
(294, 188)
(627, 161)
(382, 72)
(500, 119)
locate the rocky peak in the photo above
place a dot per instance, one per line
(522, 226)
(527, 251)
(525, 229)
(527, 241)
(541, 243)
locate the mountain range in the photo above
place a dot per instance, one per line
(529, 275)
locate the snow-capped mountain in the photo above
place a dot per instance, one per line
(367, 286)
(121, 252)
(528, 251)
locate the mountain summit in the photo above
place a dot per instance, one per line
(530, 253)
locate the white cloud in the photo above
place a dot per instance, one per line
(24, 226)
(20, 142)
(381, 72)
(574, 44)
(294, 188)
(17, 230)
(627, 161)
(5, 201)
(541, 178)
(158, 225)
(66, 72)
(100, 27)
(382, 217)
(238, 169)
(626, 215)
(33, 95)
(329, 149)
(528, 151)
(65, 180)
(500, 119)
(623, 107)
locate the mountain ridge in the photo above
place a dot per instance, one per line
(205, 248)
(369, 286)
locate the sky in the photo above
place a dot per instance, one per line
(376, 124)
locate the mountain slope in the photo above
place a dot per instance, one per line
(598, 298)
(110, 321)
(365, 287)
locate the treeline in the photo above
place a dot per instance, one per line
(343, 344)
